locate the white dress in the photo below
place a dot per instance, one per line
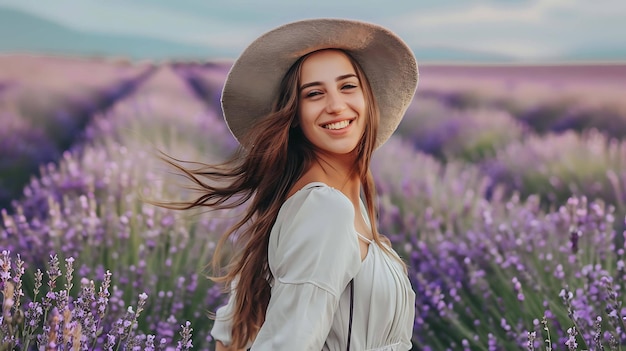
(313, 254)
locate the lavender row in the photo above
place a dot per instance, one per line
(547, 99)
(42, 118)
(163, 110)
(557, 166)
(90, 207)
(471, 134)
(206, 80)
(561, 113)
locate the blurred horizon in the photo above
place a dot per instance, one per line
(519, 32)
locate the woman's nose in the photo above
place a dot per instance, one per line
(335, 103)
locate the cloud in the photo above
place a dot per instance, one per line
(530, 30)
(520, 12)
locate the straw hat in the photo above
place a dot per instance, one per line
(254, 79)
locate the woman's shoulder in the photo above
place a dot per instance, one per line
(318, 193)
(319, 199)
(317, 209)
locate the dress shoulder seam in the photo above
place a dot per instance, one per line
(319, 286)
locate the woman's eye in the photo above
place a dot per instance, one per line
(312, 93)
(349, 86)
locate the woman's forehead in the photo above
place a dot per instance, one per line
(328, 64)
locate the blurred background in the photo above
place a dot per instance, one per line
(503, 189)
(486, 31)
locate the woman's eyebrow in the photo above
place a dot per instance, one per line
(342, 77)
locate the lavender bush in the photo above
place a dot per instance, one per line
(610, 119)
(450, 133)
(22, 148)
(52, 319)
(486, 273)
(412, 183)
(559, 165)
(559, 113)
(456, 98)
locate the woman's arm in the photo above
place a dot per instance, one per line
(221, 331)
(313, 253)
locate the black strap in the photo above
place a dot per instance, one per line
(351, 312)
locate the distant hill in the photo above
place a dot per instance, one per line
(442, 54)
(23, 32)
(599, 54)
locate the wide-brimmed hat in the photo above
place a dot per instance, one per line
(254, 79)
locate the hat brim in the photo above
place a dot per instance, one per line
(254, 79)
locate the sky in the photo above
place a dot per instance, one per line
(496, 30)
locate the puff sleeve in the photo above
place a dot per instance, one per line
(313, 254)
(222, 327)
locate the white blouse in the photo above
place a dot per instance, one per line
(313, 254)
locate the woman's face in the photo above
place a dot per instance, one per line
(331, 102)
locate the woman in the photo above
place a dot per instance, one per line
(309, 102)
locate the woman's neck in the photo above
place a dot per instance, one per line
(336, 172)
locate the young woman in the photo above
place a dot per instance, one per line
(309, 102)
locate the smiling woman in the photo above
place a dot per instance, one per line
(310, 270)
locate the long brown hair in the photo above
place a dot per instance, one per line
(271, 158)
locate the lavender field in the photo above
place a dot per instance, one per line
(504, 190)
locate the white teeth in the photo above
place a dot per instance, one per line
(337, 125)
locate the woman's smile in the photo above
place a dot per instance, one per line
(338, 125)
